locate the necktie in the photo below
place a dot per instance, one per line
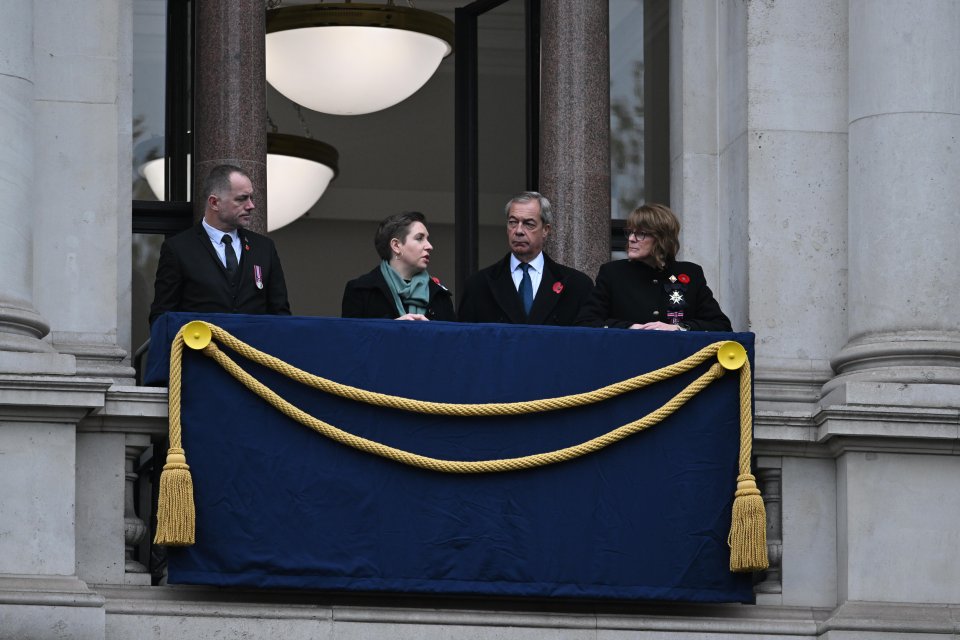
(231, 256)
(526, 288)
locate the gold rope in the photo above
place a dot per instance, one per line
(175, 509)
(459, 466)
(175, 517)
(452, 409)
(748, 526)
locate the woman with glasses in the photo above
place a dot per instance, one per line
(400, 287)
(651, 289)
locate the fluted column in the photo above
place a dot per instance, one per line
(230, 95)
(21, 326)
(575, 129)
(904, 193)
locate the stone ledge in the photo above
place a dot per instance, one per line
(55, 591)
(130, 409)
(510, 614)
(771, 621)
(50, 398)
(680, 619)
(894, 394)
(921, 423)
(894, 617)
(793, 381)
(26, 363)
(859, 427)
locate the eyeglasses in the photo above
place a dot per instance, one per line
(528, 224)
(641, 235)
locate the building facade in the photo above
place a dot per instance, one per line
(814, 160)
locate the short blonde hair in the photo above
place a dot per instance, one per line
(664, 226)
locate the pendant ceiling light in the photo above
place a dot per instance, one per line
(353, 58)
(298, 172)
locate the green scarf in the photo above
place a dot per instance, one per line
(410, 297)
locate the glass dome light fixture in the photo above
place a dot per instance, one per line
(298, 172)
(353, 58)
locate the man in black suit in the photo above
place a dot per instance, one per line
(526, 286)
(218, 266)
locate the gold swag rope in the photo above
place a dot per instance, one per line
(176, 515)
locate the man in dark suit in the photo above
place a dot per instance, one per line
(218, 266)
(526, 286)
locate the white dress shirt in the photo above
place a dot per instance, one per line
(216, 236)
(536, 272)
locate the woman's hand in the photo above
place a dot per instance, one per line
(413, 316)
(656, 326)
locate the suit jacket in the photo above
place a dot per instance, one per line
(490, 295)
(633, 292)
(190, 277)
(369, 297)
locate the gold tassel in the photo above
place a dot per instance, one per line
(748, 528)
(176, 518)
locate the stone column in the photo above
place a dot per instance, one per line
(82, 191)
(697, 74)
(575, 130)
(21, 325)
(230, 96)
(904, 195)
(760, 181)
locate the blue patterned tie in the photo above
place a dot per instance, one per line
(526, 288)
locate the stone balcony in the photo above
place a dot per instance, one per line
(859, 486)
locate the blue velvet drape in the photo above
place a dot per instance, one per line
(281, 506)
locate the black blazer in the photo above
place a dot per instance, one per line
(490, 295)
(190, 277)
(633, 292)
(369, 297)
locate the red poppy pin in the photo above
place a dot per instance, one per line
(435, 279)
(557, 287)
(246, 247)
(684, 278)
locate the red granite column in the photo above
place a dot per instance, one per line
(230, 103)
(575, 129)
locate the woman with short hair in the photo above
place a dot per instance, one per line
(400, 287)
(651, 289)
